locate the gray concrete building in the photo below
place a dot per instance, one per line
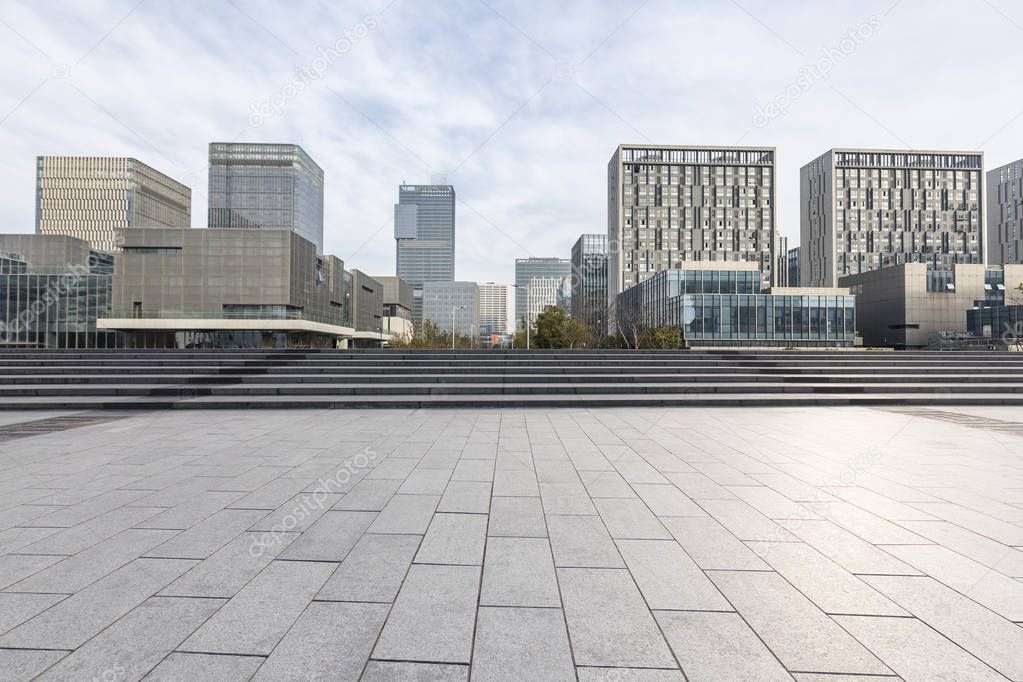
(670, 204)
(453, 305)
(366, 298)
(589, 282)
(865, 209)
(540, 282)
(95, 197)
(1005, 214)
(266, 187)
(397, 316)
(53, 289)
(227, 288)
(781, 262)
(910, 305)
(424, 233)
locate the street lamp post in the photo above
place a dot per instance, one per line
(453, 309)
(529, 313)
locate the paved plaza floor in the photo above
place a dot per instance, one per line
(816, 544)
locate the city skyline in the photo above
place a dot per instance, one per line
(549, 105)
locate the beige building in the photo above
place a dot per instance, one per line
(94, 198)
(906, 306)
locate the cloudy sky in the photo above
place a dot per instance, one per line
(520, 103)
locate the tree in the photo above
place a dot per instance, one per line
(576, 334)
(430, 336)
(550, 328)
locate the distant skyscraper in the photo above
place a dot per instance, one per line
(668, 205)
(864, 209)
(781, 262)
(424, 232)
(445, 303)
(91, 197)
(267, 187)
(793, 274)
(546, 279)
(493, 310)
(589, 281)
(1005, 214)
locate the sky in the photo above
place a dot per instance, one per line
(519, 103)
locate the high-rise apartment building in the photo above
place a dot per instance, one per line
(267, 187)
(541, 282)
(672, 204)
(493, 310)
(453, 305)
(1005, 214)
(864, 209)
(781, 262)
(589, 281)
(424, 232)
(92, 197)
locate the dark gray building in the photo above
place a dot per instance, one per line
(53, 289)
(367, 302)
(95, 197)
(793, 267)
(540, 282)
(424, 233)
(266, 187)
(453, 304)
(1005, 214)
(589, 282)
(227, 288)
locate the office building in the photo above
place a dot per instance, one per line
(909, 305)
(1005, 214)
(793, 267)
(668, 205)
(266, 187)
(726, 304)
(781, 262)
(493, 313)
(865, 209)
(397, 298)
(424, 233)
(453, 304)
(366, 300)
(589, 282)
(541, 282)
(53, 288)
(228, 288)
(95, 197)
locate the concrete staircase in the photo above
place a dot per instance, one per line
(128, 379)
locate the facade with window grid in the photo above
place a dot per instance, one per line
(1005, 214)
(92, 197)
(863, 209)
(424, 233)
(668, 205)
(589, 282)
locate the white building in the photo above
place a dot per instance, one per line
(493, 312)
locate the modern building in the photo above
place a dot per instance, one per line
(726, 304)
(1005, 214)
(453, 305)
(366, 300)
(251, 288)
(493, 314)
(781, 262)
(1000, 325)
(53, 288)
(397, 296)
(95, 197)
(908, 305)
(540, 282)
(589, 282)
(424, 233)
(668, 205)
(865, 209)
(793, 267)
(266, 187)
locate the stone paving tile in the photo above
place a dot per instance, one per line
(373, 570)
(667, 500)
(849, 551)
(209, 535)
(708, 643)
(519, 572)
(630, 519)
(467, 497)
(369, 494)
(331, 537)
(515, 483)
(454, 539)
(406, 514)
(517, 517)
(608, 623)
(668, 578)
(392, 671)
(15, 609)
(231, 567)
(17, 567)
(178, 667)
(505, 635)
(712, 546)
(582, 541)
(26, 664)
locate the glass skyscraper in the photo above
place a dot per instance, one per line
(541, 282)
(589, 281)
(267, 187)
(424, 232)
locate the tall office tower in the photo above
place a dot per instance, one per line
(493, 310)
(781, 262)
(453, 304)
(266, 187)
(92, 197)
(424, 232)
(589, 281)
(1005, 214)
(793, 258)
(545, 280)
(668, 204)
(864, 209)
